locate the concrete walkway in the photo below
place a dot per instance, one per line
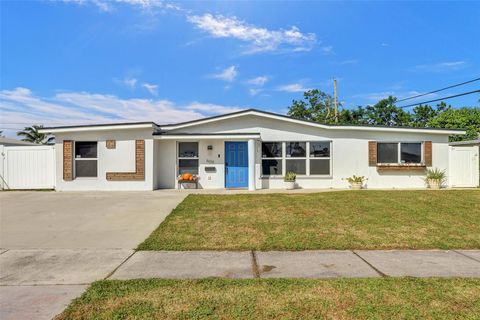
(54, 244)
(301, 264)
(38, 283)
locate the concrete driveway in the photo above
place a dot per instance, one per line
(87, 220)
(53, 244)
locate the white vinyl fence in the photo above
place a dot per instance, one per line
(27, 167)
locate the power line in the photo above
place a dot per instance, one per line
(449, 87)
(444, 98)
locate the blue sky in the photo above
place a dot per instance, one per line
(80, 61)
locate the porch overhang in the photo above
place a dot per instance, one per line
(206, 136)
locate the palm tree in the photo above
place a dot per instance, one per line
(31, 134)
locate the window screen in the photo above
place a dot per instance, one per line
(86, 168)
(271, 167)
(297, 166)
(387, 152)
(320, 166)
(188, 166)
(188, 149)
(85, 149)
(319, 149)
(86, 165)
(296, 149)
(411, 152)
(271, 150)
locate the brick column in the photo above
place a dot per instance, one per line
(68, 160)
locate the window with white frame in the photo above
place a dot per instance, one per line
(303, 158)
(320, 158)
(399, 153)
(272, 156)
(296, 157)
(188, 157)
(86, 161)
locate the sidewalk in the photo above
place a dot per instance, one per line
(300, 264)
(38, 283)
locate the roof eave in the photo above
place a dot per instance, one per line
(308, 123)
(100, 127)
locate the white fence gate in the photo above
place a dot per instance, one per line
(464, 171)
(27, 167)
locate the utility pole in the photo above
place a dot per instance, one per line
(335, 103)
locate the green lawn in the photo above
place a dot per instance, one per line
(392, 298)
(331, 220)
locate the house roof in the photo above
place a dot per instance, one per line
(277, 116)
(103, 126)
(167, 127)
(209, 136)
(465, 143)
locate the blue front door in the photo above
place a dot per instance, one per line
(236, 165)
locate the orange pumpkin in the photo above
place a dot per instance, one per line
(186, 176)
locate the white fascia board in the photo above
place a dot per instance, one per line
(207, 137)
(312, 124)
(97, 128)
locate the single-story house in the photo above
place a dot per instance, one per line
(250, 149)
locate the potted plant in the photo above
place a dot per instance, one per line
(289, 179)
(356, 182)
(435, 178)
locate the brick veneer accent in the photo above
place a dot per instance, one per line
(403, 168)
(372, 153)
(111, 144)
(427, 153)
(67, 160)
(139, 174)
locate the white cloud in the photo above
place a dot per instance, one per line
(254, 92)
(130, 83)
(108, 5)
(20, 107)
(229, 74)
(377, 96)
(258, 81)
(348, 61)
(152, 88)
(258, 39)
(100, 4)
(441, 66)
(293, 87)
(212, 108)
(374, 96)
(327, 50)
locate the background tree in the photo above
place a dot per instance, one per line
(463, 118)
(386, 113)
(353, 116)
(316, 106)
(31, 134)
(422, 114)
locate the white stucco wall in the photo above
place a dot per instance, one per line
(349, 153)
(168, 164)
(120, 159)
